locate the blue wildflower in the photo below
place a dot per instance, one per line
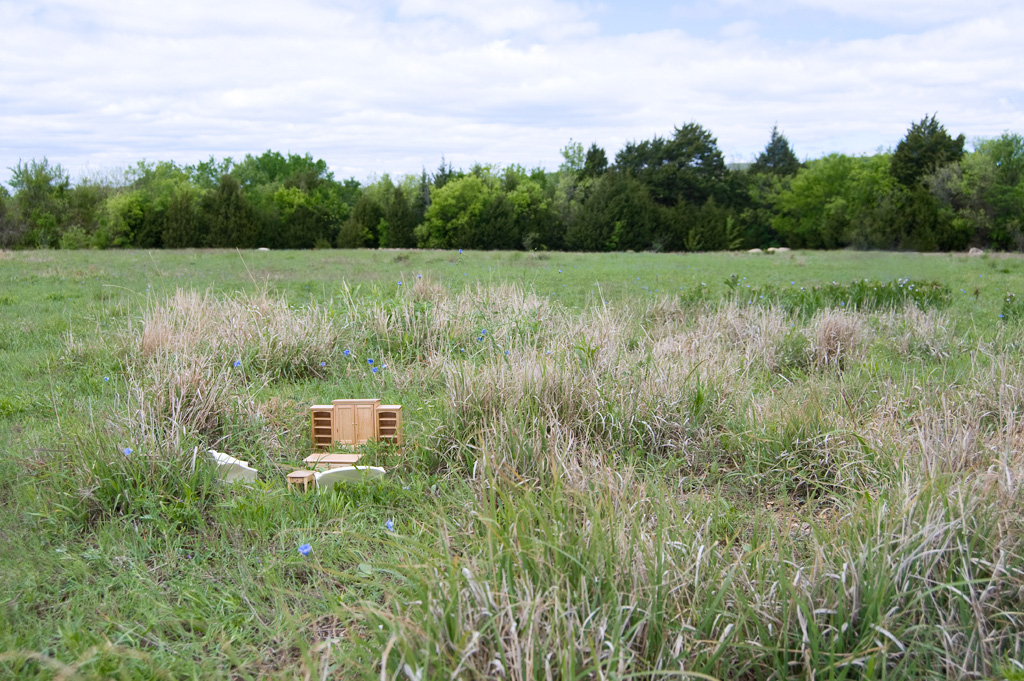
(399, 283)
(483, 332)
(323, 364)
(369, 361)
(106, 379)
(460, 251)
(128, 450)
(375, 369)
(347, 352)
(305, 549)
(238, 362)
(390, 525)
(419, 276)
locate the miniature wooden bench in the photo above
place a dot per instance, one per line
(351, 423)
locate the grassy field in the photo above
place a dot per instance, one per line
(617, 466)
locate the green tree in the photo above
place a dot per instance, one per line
(122, 215)
(838, 201)
(40, 202)
(777, 158)
(183, 226)
(444, 174)
(362, 228)
(453, 219)
(1004, 191)
(85, 206)
(687, 167)
(400, 220)
(230, 221)
(535, 223)
(925, 147)
(596, 162)
(754, 219)
(573, 157)
(981, 199)
(206, 175)
(619, 215)
(11, 230)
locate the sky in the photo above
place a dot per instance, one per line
(394, 85)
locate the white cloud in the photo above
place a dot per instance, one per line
(904, 12)
(498, 18)
(102, 82)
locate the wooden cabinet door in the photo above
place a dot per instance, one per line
(355, 421)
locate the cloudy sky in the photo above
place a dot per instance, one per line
(391, 86)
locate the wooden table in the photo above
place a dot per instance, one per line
(301, 477)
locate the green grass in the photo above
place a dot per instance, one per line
(617, 466)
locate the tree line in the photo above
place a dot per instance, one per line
(673, 193)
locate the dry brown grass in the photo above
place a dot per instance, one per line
(258, 326)
(837, 338)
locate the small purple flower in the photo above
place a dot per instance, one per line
(483, 332)
(127, 451)
(369, 361)
(323, 364)
(389, 525)
(106, 379)
(305, 549)
(419, 276)
(347, 352)
(238, 362)
(559, 271)
(375, 370)
(460, 251)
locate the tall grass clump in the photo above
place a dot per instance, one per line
(627, 582)
(197, 363)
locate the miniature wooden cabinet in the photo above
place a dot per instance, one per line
(351, 423)
(389, 424)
